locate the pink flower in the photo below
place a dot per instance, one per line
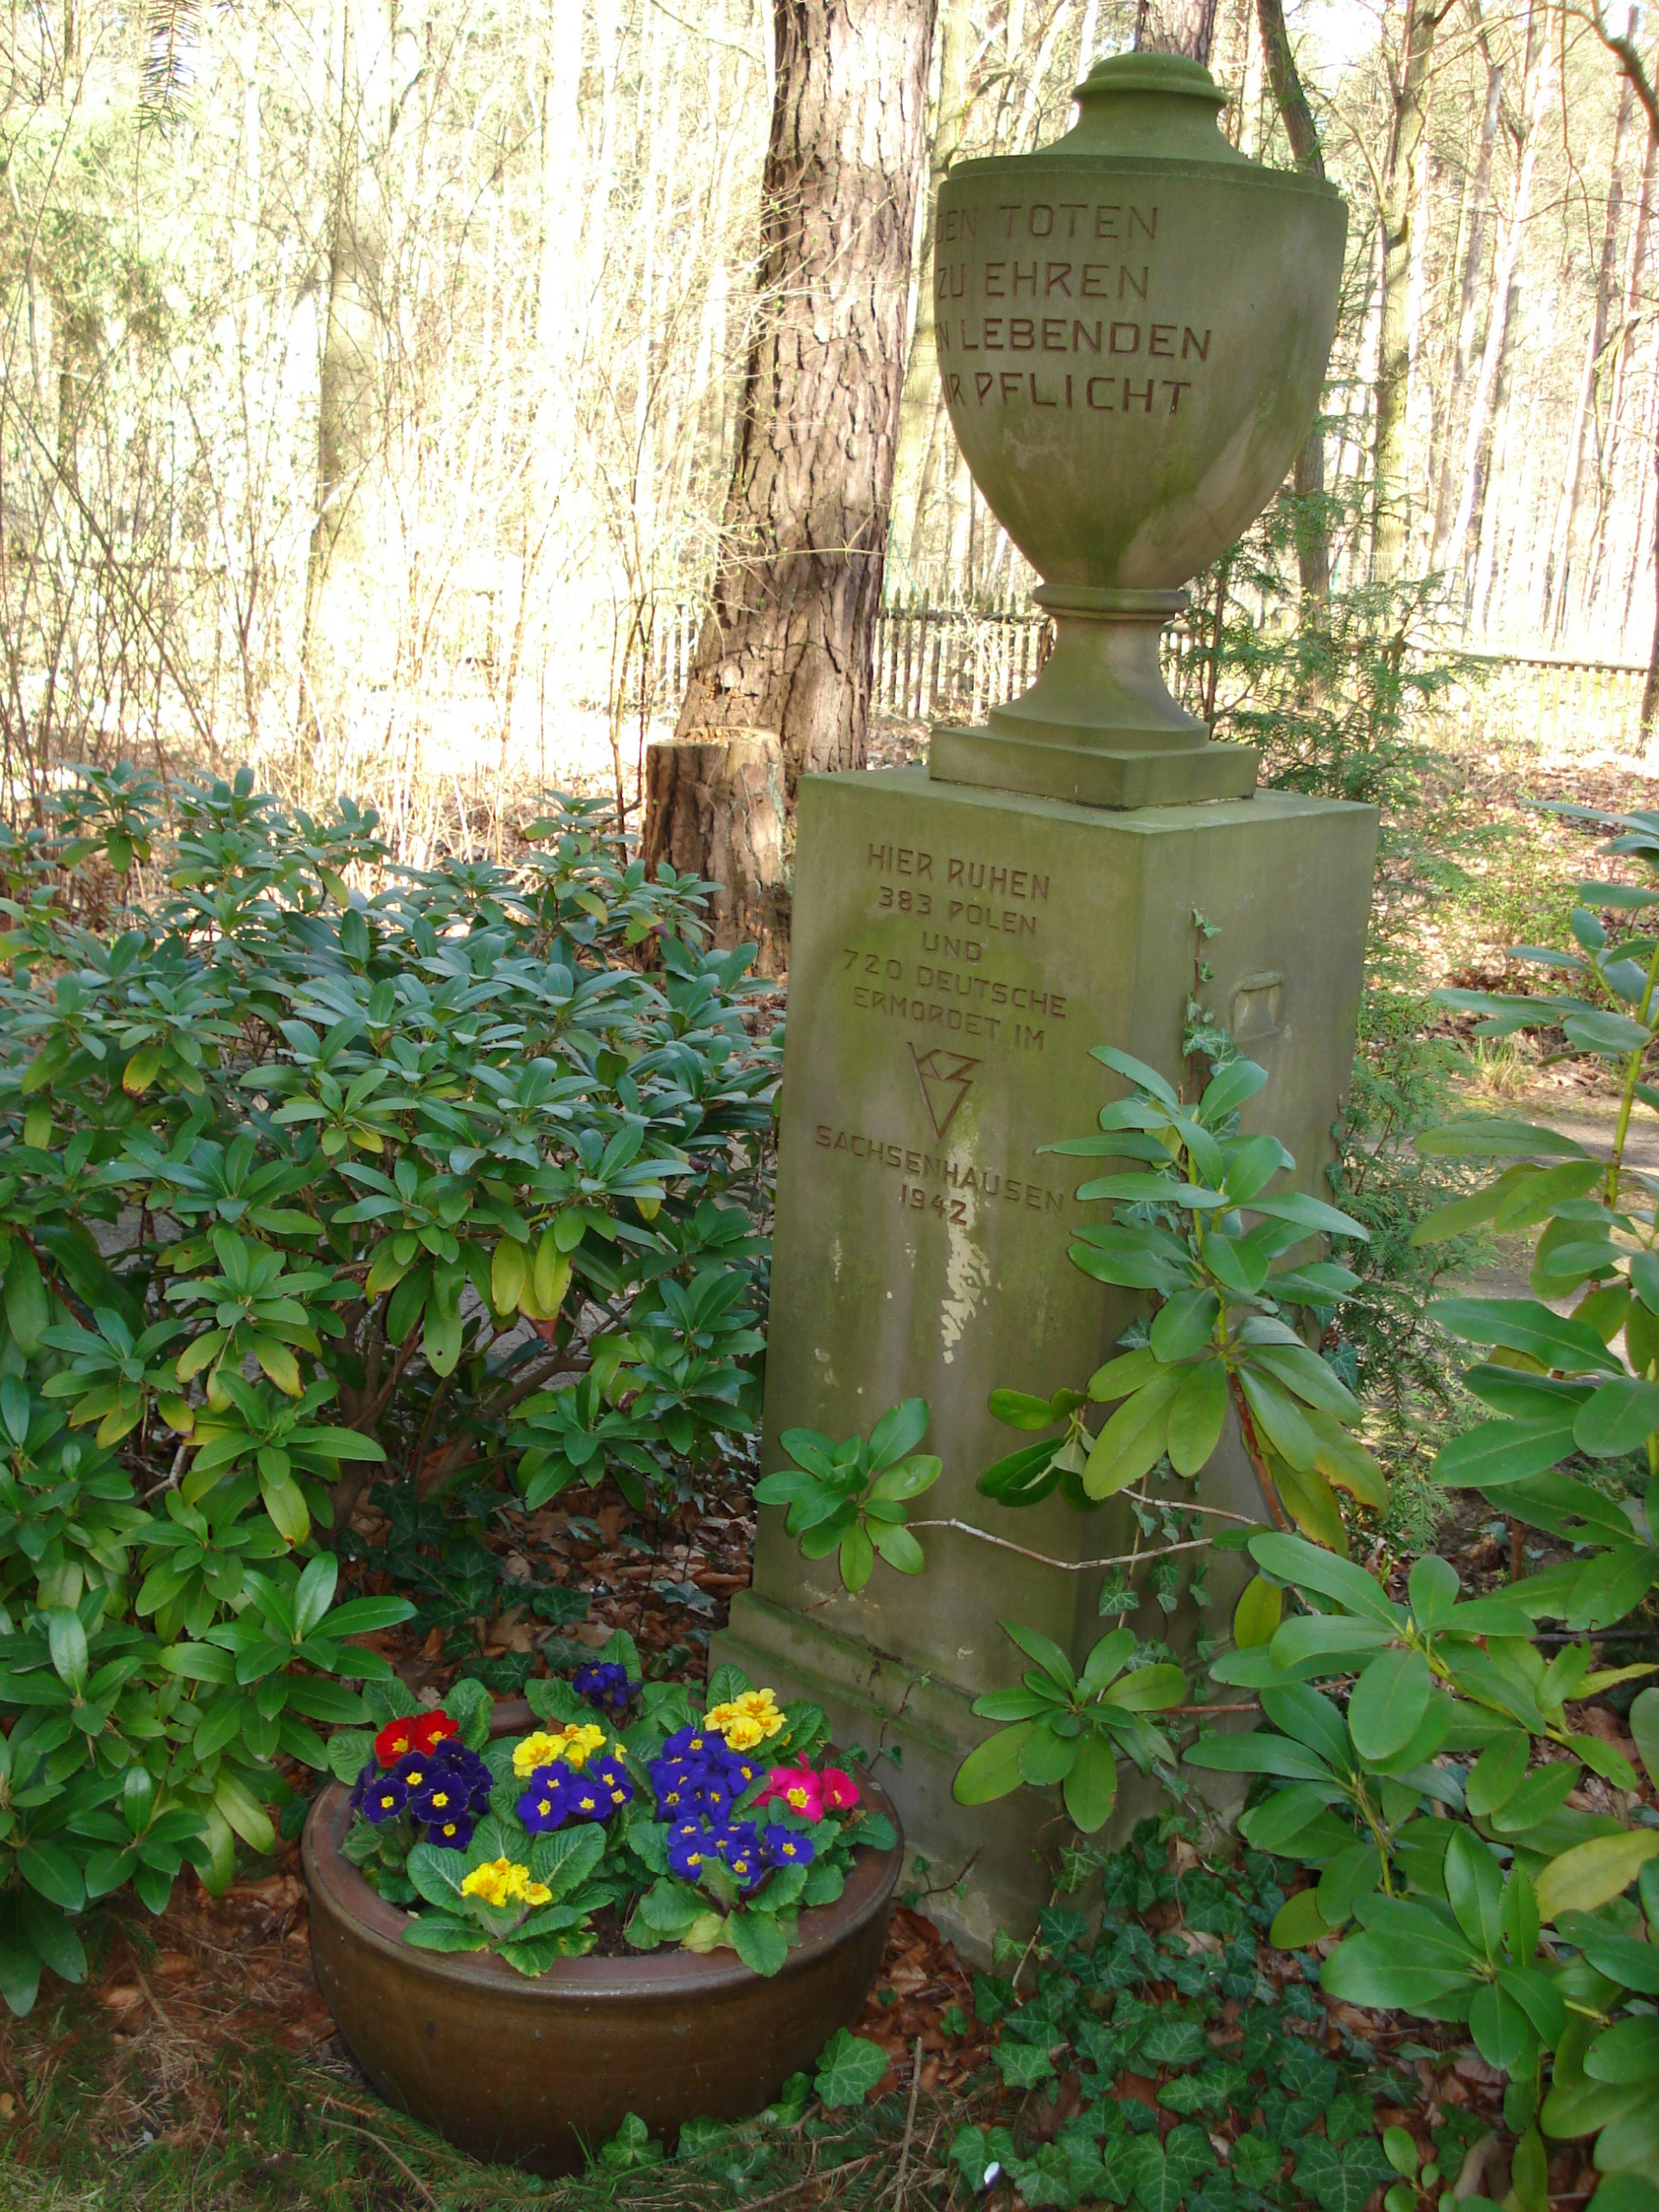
(799, 1787)
(840, 1791)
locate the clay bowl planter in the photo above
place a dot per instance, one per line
(539, 2072)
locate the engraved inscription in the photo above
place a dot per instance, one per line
(1055, 288)
(954, 1173)
(944, 1079)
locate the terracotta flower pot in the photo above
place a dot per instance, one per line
(538, 2072)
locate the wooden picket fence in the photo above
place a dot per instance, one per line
(949, 661)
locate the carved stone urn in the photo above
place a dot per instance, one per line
(1133, 325)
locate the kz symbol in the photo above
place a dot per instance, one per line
(944, 1079)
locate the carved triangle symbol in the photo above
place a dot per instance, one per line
(946, 1079)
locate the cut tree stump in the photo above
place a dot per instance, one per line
(715, 808)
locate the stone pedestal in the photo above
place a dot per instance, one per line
(956, 952)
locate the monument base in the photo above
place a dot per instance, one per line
(956, 952)
(1087, 776)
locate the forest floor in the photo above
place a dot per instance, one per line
(197, 2070)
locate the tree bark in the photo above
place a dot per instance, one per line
(1505, 292)
(920, 407)
(1618, 399)
(1397, 214)
(715, 808)
(788, 641)
(1559, 571)
(348, 397)
(1290, 97)
(1468, 305)
(1186, 26)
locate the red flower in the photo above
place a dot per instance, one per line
(418, 1731)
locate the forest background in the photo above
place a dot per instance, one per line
(373, 373)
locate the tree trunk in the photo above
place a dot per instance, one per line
(1312, 524)
(1505, 289)
(1559, 573)
(1468, 304)
(919, 406)
(715, 808)
(1650, 689)
(788, 640)
(348, 397)
(1186, 26)
(1397, 214)
(1619, 399)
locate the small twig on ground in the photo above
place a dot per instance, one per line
(351, 2128)
(793, 2187)
(910, 2126)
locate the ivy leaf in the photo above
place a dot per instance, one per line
(1023, 2065)
(848, 2068)
(1340, 2177)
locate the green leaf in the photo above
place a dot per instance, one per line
(1340, 2177)
(1298, 1923)
(1047, 1757)
(1294, 1560)
(1257, 1613)
(1617, 1419)
(1497, 1451)
(1388, 1704)
(848, 2068)
(1524, 1326)
(1023, 2065)
(1374, 1970)
(1474, 1887)
(1644, 1729)
(1279, 1417)
(1132, 1442)
(436, 1931)
(1018, 1409)
(1091, 1788)
(897, 1432)
(857, 1559)
(759, 1940)
(1198, 1414)
(897, 1547)
(992, 1769)
(1184, 1324)
(1593, 1873)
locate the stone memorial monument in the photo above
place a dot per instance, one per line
(1132, 328)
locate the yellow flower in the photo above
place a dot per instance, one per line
(492, 1881)
(502, 1882)
(745, 1721)
(572, 1744)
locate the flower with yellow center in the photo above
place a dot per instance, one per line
(573, 1745)
(745, 1721)
(503, 1881)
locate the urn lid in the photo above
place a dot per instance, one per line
(1161, 105)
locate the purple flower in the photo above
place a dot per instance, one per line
(786, 1847)
(687, 1851)
(365, 1775)
(384, 1798)
(614, 1782)
(586, 1800)
(546, 1804)
(440, 1797)
(606, 1684)
(453, 1831)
